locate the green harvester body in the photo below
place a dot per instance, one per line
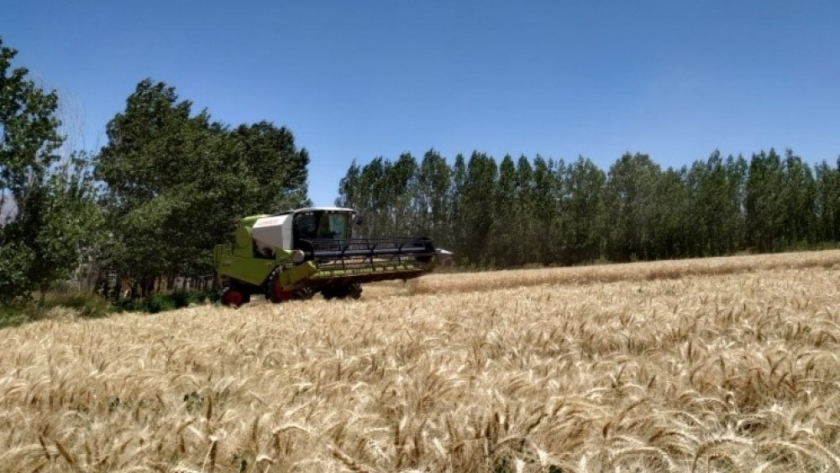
(299, 253)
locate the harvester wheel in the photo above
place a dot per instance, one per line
(232, 297)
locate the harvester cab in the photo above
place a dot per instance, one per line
(299, 253)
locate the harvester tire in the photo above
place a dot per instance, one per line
(233, 297)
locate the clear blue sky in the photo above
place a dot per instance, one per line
(361, 79)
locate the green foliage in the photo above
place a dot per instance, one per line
(799, 196)
(584, 183)
(82, 304)
(545, 237)
(764, 206)
(176, 182)
(161, 302)
(477, 206)
(433, 196)
(55, 218)
(503, 242)
(87, 305)
(547, 212)
(715, 192)
(12, 316)
(15, 260)
(827, 202)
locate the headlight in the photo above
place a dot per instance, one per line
(298, 256)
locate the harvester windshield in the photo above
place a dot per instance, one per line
(333, 226)
(319, 225)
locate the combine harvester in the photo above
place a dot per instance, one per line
(299, 253)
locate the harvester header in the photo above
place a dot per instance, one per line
(299, 253)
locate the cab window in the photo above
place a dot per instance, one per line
(332, 226)
(305, 226)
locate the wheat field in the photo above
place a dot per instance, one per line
(726, 364)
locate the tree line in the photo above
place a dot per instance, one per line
(168, 185)
(543, 211)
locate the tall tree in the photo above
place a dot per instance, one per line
(433, 205)
(477, 204)
(458, 211)
(551, 212)
(503, 240)
(584, 182)
(630, 207)
(177, 182)
(50, 212)
(370, 195)
(827, 202)
(671, 209)
(765, 209)
(547, 194)
(799, 195)
(399, 190)
(278, 170)
(714, 189)
(734, 225)
(349, 188)
(525, 201)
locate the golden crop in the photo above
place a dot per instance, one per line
(727, 364)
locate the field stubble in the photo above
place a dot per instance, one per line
(727, 364)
